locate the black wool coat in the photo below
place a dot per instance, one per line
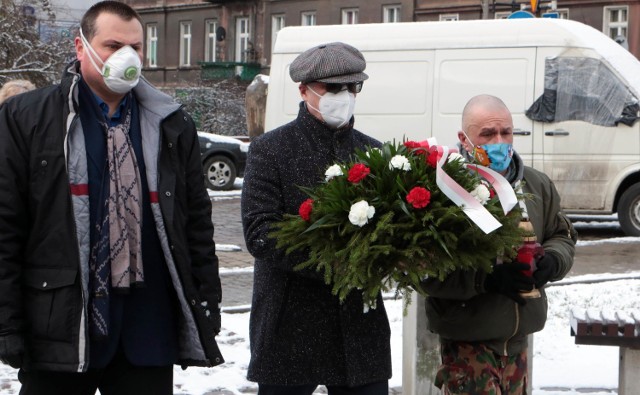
(300, 333)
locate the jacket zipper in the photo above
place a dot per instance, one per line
(515, 330)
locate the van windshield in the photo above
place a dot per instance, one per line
(584, 89)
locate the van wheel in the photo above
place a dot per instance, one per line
(629, 211)
(219, 173)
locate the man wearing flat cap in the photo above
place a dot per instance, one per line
(301, 335)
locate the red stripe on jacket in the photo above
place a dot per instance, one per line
(79, 189)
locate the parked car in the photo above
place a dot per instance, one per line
(223, 159)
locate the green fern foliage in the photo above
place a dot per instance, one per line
(403, 242)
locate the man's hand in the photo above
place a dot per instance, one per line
(217, 321)
(12, 351)
(509, 279)
(546, 267)
(15, 361)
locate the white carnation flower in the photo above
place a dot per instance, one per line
(361, 212)
(455, 156)
(400, 162)
(481, 193)
(367, 307)
(333, 171)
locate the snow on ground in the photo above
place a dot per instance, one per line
(560, 366)
(558, 361)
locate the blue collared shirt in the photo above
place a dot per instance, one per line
(116, 119)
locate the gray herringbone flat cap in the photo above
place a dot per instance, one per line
(333, 63)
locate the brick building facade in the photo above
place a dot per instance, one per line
(185, 37)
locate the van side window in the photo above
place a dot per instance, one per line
(583, 89)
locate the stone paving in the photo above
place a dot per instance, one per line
(236, 283)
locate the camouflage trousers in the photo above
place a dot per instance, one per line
(473, 369)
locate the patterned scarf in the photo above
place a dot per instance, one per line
(117, 254)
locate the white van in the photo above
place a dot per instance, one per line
(573, 93)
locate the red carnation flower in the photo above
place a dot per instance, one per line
(419, 197)
(305, 209)
(419, 148)
(492, 192)
(411, 144)
(432, 159)
(357, 173)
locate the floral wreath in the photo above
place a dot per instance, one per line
(395, 215)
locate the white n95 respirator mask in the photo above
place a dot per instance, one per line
(121, 71)
(336, 108)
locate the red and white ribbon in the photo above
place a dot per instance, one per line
(503, 189)
(472, 207)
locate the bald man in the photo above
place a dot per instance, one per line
(482, 318)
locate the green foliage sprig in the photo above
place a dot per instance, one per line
(401, 243)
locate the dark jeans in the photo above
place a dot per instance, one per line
(381, 388)
(117, 378)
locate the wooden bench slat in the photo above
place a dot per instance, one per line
(612, 328)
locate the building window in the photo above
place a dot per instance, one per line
(390, 13)
(243, 45)
(502, 14)
(277, 24)
(449, 17)
(210, 26)
(308, 18)
(152, 45)
(185, 43)
(349, 16)
(616, 21)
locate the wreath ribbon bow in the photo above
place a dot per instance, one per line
(472, 207)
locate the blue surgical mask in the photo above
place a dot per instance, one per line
(497, 156)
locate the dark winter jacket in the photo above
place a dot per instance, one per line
(300, 333)
(44, 226)
(459, 308)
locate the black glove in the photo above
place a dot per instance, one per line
(509, 279)
(15, 361)
(546, 267)
(217, 321)
(12, 351)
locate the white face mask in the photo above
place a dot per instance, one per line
(121, 70)
(336, 108)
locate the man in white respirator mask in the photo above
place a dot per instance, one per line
(120, 71)
(301, 335)
(108, 271)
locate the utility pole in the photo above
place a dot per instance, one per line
(485, 9)
(514, 6)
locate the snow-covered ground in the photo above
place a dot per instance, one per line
(560, 366)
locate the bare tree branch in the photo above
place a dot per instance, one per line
(23, 54)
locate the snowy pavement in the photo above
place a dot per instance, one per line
(560, 367)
